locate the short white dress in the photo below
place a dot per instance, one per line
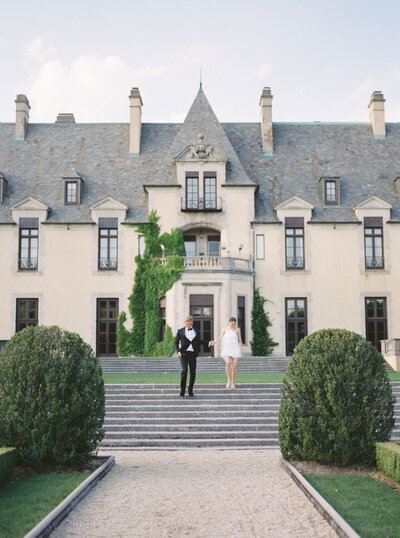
(230, 345)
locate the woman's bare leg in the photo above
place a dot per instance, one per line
(234, 364)
(228, 371)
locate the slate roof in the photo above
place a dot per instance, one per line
(99, 153)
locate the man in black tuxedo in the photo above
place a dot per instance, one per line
(187, 346)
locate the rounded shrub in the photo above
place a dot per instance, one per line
(337, 401)
(52, 400)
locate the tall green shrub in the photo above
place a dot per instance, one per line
(153, 278)
(51, 397)
(337, 401)
(262, 343)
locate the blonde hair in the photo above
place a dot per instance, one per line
(188, 318)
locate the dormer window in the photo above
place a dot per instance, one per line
(71, 193)
(201, 192)
(72, 188)
(331, 192)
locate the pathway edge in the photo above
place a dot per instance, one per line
(53, 519)
(335, 520)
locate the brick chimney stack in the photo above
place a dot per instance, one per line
(377, 114)
(21, 116)
(135, 104)
(266, 121)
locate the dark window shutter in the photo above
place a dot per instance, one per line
(373, 222)
(108, 223)
(294, 222)
(29, 223)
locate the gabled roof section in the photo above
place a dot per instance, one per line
(201, 120)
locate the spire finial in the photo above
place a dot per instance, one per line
(201, 81)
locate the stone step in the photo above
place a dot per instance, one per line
(217, 427)
(189, 443)
(144, 417)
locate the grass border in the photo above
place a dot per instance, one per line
(335, 520)
(45, 527)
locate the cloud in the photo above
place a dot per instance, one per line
(263, 70)
(36, 50)
(94, 88)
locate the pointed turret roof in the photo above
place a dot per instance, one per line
(201, 119)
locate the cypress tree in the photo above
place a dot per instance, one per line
(262, 343)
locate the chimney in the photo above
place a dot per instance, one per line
(65, 117)
(21, 116)
(266, 121)
(377, 114)
(135, 104)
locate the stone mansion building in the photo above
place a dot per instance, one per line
(307, 212)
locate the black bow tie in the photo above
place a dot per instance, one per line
(190, 329)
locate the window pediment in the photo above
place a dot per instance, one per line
(295, 202)
(373, 202)
(108, 203)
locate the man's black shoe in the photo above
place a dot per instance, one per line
(182, 394)
(191, 394)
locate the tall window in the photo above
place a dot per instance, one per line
(241, 317)
(108, 244)
(71, 193)
(260, 247)
(373, 242)
(331, 192)
(210, 191)
(190, 245)
(192, 191)
(375, 320)
(27, 313)
(296, 322)
(213, 245)
(28, 244)
(294, 231)
(163, 316)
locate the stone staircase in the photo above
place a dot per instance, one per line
(136, 365)
(156, 417)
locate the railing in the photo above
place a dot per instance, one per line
(374, 262)
(28, 264)
(201, 204)
(217, 263)
(294, 263)
(107, 263)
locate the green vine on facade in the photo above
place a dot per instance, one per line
(154, 276)
(262, 343)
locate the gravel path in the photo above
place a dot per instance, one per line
(198, 493)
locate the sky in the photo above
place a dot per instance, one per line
(322, 59)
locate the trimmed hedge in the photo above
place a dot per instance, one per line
(52, 399)
(8, 458)
(337, 400)
(388, 459)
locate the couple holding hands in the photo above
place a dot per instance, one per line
(187, 346)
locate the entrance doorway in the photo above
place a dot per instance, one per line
(107, 319)
(202, 312)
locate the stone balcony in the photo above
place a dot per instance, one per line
(218, 263)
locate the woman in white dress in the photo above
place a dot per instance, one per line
(231, 350)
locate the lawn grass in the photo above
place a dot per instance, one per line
(26, 501)
(174, 379)
(371, 508)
